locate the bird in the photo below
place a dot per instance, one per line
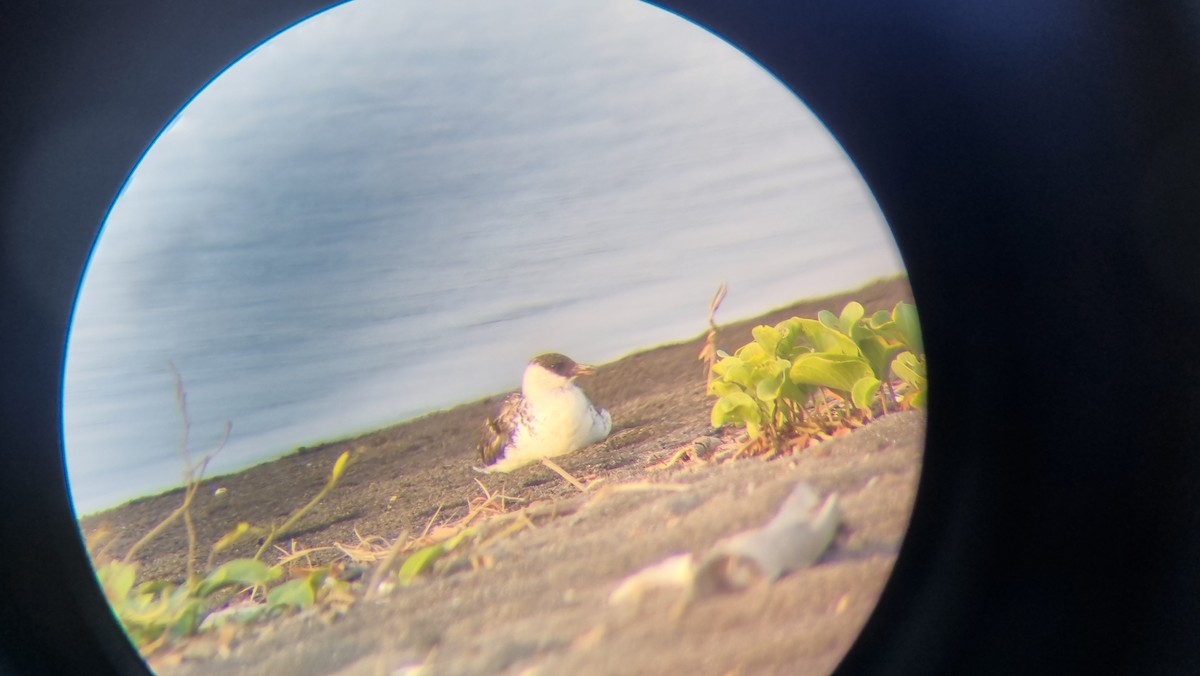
(549, 417)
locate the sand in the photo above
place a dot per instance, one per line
(537, 600)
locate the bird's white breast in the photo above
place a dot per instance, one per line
(560, 420)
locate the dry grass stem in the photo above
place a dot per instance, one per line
(191, 541)
(193, 475)
(432, 519)
(296, 554)
(708, 354)
(520, 521)
(564, 474)
(360, 554)
(385, 566)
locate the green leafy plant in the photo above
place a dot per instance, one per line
(769, 385)
(157, 612)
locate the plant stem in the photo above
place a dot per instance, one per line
(193, 475)
(564, 474)
(385, 566)
(275, 532)
(709, 353)
(157, 530)
(191, 535)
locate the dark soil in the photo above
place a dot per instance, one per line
(542, 604)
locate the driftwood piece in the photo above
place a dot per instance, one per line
(794, 538)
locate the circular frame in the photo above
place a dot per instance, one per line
(1037, 163)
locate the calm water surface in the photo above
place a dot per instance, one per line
(388, 209)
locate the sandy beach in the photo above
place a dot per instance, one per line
(537, 601)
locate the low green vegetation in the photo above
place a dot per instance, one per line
(804, 380)
(159, 615)
(157, 612)
(796, 383)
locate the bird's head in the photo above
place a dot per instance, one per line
(553, 369)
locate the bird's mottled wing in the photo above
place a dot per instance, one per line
(498, 431)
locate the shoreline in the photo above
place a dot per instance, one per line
(353, 436)
(538, 597)
(654, 394)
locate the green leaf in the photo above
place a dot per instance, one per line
(825, 339)
(767, 338)
(771, 377)
(720, 388)
(864, 391)
(861, 331)
(736, 407)
(237, 615)
(879, 353)
(232, 537)
(909, 326)
(767, 408)
(882, 324)
(454, 542)
(917, 399)
(239, 572)
(796, 393)
(752, 353)
(317, 577)
(117, 578)
(736, 370)
(187, 616)
(835, 371)
(155, 587)
(828, 319)
(293, 594)
(339, 467)
(790, 335)
(851, 314)
(911, 370)
(418, 562)
(149, 614)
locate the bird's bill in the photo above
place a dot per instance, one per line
(583, 370)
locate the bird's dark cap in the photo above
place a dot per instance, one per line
(562, 365)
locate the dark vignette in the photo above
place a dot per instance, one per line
(1038, 163)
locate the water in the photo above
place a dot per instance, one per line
(389, 209)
